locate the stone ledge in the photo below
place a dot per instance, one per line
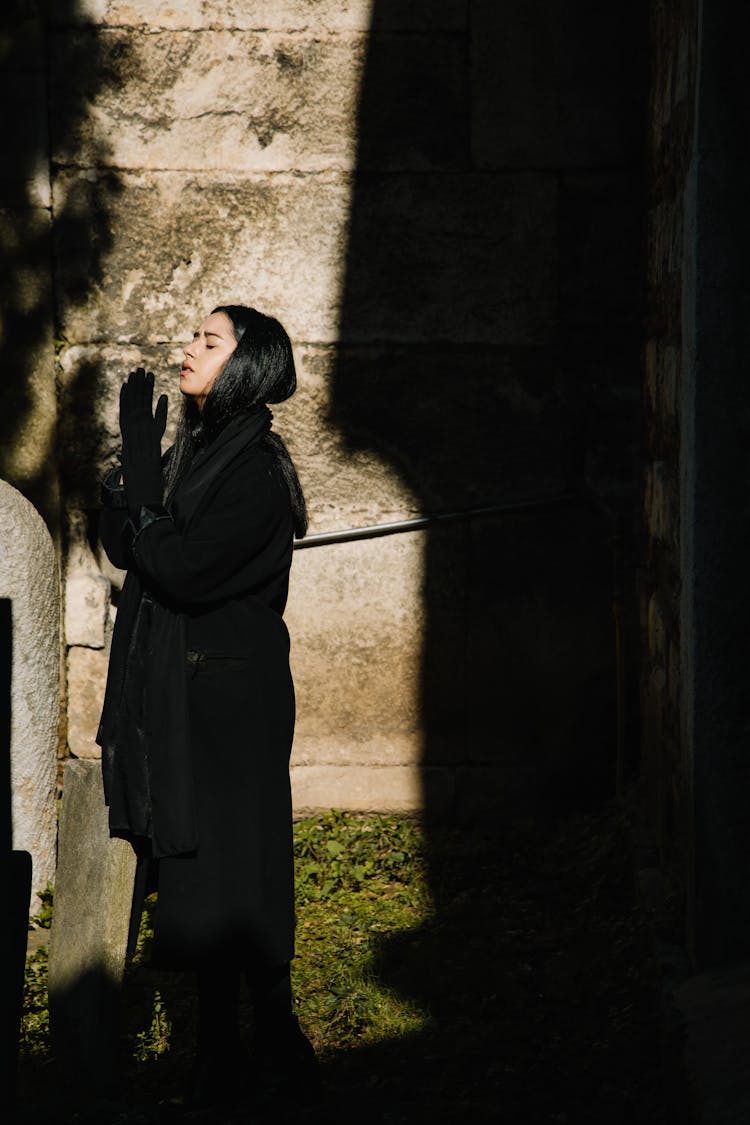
(356, 788)
(468, 794)
(399, 789)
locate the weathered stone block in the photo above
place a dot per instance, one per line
(662, 503)
(29, 579)
(86, 609)
(93, 896)
(395, 407)
(278, 15)
(656, 683)
(87, 677)
(233, 100)
(22, 32)
(28, 402)
(556, 85)
(673, 76)
(380, 748)
(86, 590)
(241, 101)
(344, 486)
(468, 259)
(712, 1009)
(23, 89)
(360, 788)
(601, 239)
(540, 644)
(413, 108)
(443, 668)
(670, 383)
(186, 243)
(673, 674)
(657, 631)
(652, 359)
(485, 792)
(355, 620)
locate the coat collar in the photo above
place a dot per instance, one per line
(240, 432)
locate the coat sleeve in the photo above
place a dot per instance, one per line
(229, 548)
(113, 519)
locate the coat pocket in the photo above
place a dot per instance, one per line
(214, 661)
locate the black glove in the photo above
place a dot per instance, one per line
(142, 432)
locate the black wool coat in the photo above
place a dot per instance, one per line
(198, 718)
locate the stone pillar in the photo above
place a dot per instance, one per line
(674, 39)
(29, 579)
(696, 609)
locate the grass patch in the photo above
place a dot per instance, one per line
(34, 1040)
(358, 879)
(441, 974)
(43, 917)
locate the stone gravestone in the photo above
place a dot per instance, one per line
(29, 715)
(93, 896)
(15, 887)
(95, 875)
(29, 580)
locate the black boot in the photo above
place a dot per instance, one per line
(220, 1069)
(285, 1069)
(219, 1077)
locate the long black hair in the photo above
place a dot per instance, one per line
(259, 370)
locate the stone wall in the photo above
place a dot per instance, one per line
(696, 607)
(442, 204)
(716, 468)
(672, 123)
(28, 399)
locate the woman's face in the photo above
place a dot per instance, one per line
(205, 356)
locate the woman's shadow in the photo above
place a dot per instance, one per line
(489, 354)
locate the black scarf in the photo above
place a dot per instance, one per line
(144, 730)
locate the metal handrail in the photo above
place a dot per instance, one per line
(376, 530)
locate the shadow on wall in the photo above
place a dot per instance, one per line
(490, 352)
(56, 232)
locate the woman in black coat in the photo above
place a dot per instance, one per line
(198, 716)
